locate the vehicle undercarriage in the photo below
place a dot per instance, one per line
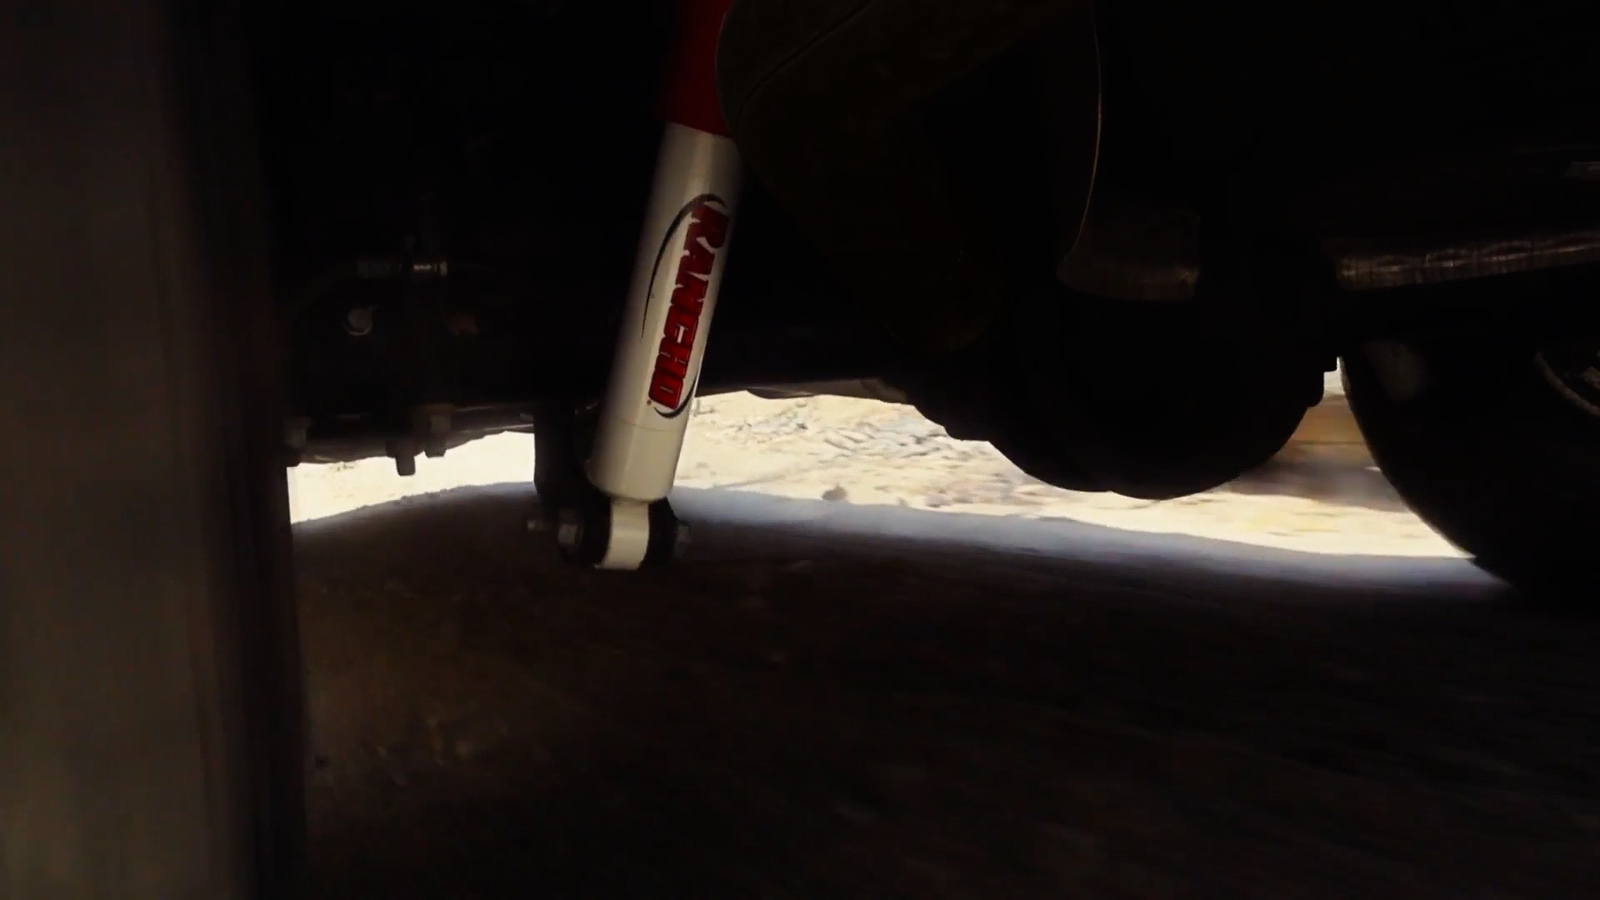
(1122, 242)
(1179, 219)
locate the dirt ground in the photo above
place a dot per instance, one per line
(948, 682)
(864, 452)
(827, 700)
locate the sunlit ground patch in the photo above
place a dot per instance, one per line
(868, 453)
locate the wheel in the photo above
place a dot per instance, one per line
(1485, 442)
(1142, 400)
(150, 692)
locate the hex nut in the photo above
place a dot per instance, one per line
(404, 454)
(358, 322)
(296, 432)
(569, 529)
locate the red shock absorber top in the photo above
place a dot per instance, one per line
(689, 88)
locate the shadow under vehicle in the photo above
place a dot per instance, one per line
(240, 238)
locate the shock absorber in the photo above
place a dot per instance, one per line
(683, 248)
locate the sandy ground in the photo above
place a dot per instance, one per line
(865, 452)
(950, 682)
(828, 700)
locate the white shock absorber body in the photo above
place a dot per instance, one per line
(682, 253)
(670, 304)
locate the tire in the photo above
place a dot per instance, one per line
(1105, 397)
(1487, 453)
(151, 728)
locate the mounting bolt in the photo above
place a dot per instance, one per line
(569, 529)
(296, 431)
(432, 424)
(404, 453)
(430, 268)
(296, 434)
(1585, 170)
(377, 268)
(358, 321)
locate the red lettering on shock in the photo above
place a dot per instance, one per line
(665, 389)
(711, 225)
(672, 364)
(690, 293)
(673, 357)
(707, 232)
(682, 323)
(697, 260)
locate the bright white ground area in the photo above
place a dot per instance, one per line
(867, 453)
